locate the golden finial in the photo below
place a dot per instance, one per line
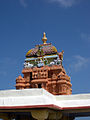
(44, 39)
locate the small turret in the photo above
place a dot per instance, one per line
(20, 82)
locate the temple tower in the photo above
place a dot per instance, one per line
(43, 69)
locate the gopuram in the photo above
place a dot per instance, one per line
(43, 69)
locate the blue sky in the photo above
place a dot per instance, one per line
(67, 26)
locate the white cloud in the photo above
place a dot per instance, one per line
(77, 63)
(23, 3)
(65, 3)
(80, 62)
(85, 36)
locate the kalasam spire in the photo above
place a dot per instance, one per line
(44, 39)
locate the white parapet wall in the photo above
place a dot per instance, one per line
(37, 98)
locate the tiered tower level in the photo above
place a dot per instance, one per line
(43, 69)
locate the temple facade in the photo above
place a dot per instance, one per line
(43, 68)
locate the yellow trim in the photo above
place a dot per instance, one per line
(54, 48)
(29, 52)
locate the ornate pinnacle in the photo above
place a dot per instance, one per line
(44, 39)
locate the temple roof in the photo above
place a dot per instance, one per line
(43, 49)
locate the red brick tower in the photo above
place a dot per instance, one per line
(43, 69)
